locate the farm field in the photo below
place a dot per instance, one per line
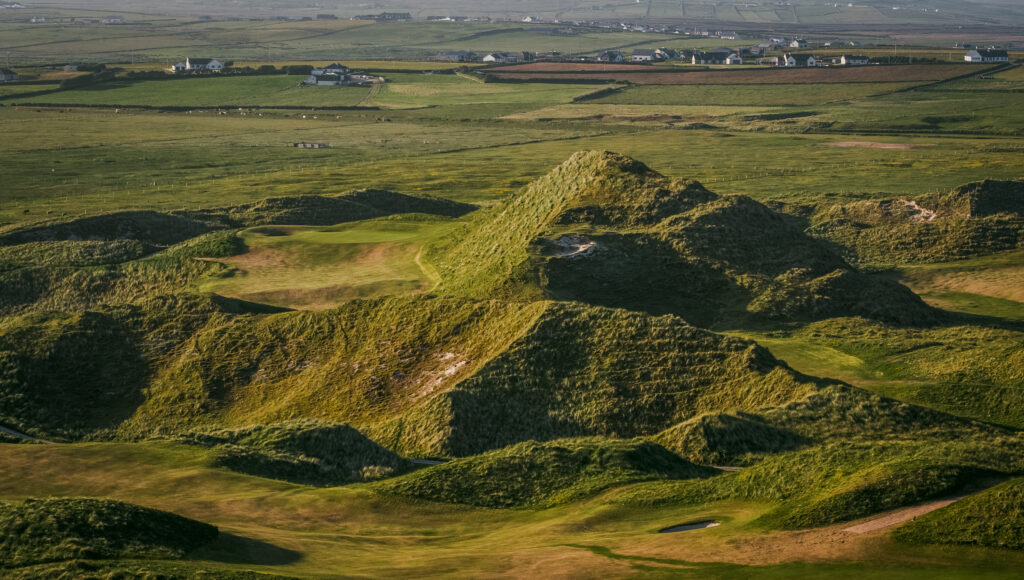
(760, 95)
(269, 91)
(555, 320)
(723, 76)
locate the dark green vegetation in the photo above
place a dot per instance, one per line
(37, 531)
(991, 518)
(310, 452)
(544, 474)
(972, 220)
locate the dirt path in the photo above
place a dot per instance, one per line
(14, 433)
(900, 516)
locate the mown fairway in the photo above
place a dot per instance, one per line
(304, 267)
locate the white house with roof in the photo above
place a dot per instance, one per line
(853, 60)
(797, 60)
(989, 55)
(197, 65)
(643, 55)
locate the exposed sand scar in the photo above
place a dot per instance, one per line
(901, 515)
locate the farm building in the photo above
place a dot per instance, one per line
(458, 56)
(338, 75)
(198, 65)
(7, 75)
(986, 55)
(508, 57)
(853, 60)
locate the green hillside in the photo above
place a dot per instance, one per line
(604, 229)
(994, 517)
(543, 474)
(975, 219)
(309, 452)
(37, 531)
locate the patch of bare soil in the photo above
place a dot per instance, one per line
(256, 258)
(900, 516)
(918, 213)
(871, 145)
(573, 245)
(450, 364)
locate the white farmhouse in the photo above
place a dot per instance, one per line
(983, 55)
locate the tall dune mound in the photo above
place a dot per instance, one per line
(837, 413)
(308, 452)
(162, 229)
(38, 531)
(532, 474)
(323, 210)
(451, 376)
(974, 219)
(605, 229)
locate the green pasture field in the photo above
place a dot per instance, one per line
(252, 91)
(137, 159)
(310, 267)
(759, 96)
(404, 90)
(282, 528)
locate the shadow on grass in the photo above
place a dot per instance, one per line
(232, 549)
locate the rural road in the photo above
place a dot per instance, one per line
(14, 433)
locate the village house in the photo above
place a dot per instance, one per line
(798, 43)
(610, 56)
(986, 55)
(664, 54)
(796, 60)
(717, 56)
(458, 56)
(508, 57)
(7, 76)
(198, 65)
(643, 55)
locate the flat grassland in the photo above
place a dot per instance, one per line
(254, 91)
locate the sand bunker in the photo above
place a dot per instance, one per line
(871, 145)
(690, 526)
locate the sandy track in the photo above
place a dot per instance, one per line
(901, 515)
